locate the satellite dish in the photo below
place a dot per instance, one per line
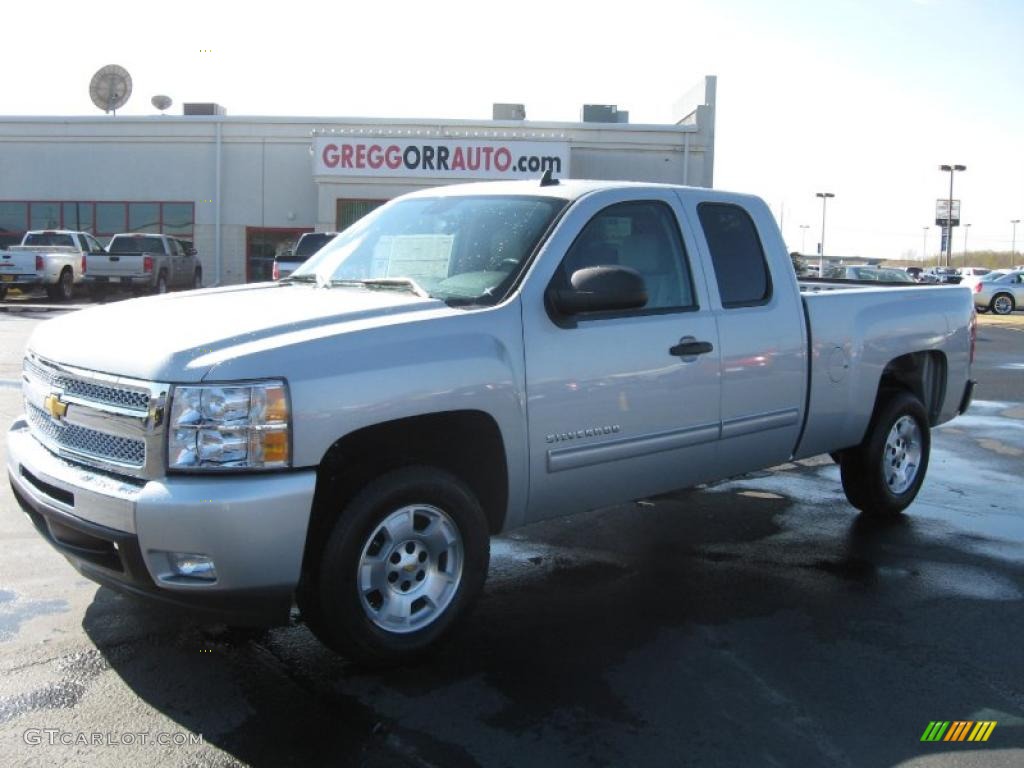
(161, 102)
(110, 88)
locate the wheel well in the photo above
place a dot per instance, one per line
(923, 374)
(466, 443)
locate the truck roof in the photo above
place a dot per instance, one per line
(566, 189)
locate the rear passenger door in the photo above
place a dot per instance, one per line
(616, 410)
(761, 330)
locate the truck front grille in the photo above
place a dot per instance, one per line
(109, 422)
(123, 397)
(87, 443)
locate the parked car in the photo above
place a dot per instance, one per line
(145, 262)
(54, 259)
(966, 272)
(941, 275)
(353, 435)
(307, 244)
(1000, 293)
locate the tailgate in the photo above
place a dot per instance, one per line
(16, 263)
(116, 265)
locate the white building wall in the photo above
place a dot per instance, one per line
(267, 168)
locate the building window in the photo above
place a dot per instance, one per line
(178, 219)
(144, 217)
(13, 217)
(101, 219)
(44, 215)
(110, 218)
(351, 211)
(79, 216)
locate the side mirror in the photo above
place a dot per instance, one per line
(600, 289)
(191, 251)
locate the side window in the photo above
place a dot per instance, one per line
(644, 236)
(94, 244)
(737, 255)
(176, 249)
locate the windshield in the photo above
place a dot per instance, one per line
(48, 239)
(309, 244)
(462, 250)
(135, 244)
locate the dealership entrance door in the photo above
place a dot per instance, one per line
(262, 244)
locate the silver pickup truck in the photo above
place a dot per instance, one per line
(146, 263)
(458, 363)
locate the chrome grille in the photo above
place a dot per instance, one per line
(113, 423)
(87, 442)
(123, 397)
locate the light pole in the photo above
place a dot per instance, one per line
(821, 255)
(803, 237)
(949, 213)
(967, 229)
(924, 243)
(1013, 245)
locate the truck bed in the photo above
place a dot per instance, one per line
(861, 327)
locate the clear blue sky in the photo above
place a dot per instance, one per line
(863, 99)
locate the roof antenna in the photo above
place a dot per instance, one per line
(546, 180)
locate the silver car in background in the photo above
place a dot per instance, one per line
(1000, 293)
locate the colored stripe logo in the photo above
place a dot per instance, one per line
(958, 730)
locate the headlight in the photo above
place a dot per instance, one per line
(229, 426)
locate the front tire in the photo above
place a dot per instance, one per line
(407, 557)
(1002, 304)
(197, 280)
(882, 476)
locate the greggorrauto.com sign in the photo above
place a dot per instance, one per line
(438, 158)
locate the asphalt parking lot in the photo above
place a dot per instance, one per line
(754, 622)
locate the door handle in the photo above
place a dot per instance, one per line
(690, 347)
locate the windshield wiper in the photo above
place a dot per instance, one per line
(298, 279)
(388, 282)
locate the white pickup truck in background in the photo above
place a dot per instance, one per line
(52, 258)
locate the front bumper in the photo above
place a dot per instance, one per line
(118, 532)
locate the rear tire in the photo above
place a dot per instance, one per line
(161, 283)
(882, 476)
(407, 557)
(1002, 304)
(64, 289)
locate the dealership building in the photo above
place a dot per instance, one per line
(244, 188)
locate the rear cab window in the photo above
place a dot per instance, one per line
(136, 244)
(50, 239)
(737, 255)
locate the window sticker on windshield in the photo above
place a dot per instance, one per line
(421, 257)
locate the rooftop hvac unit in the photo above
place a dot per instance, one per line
(604, 113)
(204, 108)
(508, 112)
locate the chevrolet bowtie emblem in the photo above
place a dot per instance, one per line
(55, 407)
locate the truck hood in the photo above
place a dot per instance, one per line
(181, 337)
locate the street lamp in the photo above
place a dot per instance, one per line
(924, 243)
(821, 255)
(967, 229)
(949, 213)
(1013, 246)
(803, 237)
